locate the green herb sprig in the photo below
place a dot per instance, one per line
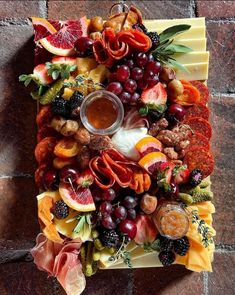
(166, 49)
(154, 246)
(63, 70)
(122, 253)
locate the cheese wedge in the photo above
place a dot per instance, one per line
(192, 33)
(156, 24)
(195, 44)
(197, 71)
(192, 57)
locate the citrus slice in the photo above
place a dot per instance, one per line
(80, 200)
(42, 28)
(62, 42)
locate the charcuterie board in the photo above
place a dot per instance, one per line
(123, 152)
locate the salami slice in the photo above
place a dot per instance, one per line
(203, 89)
(200, 125)
(198, 140)
(197, 110)
(200, 158)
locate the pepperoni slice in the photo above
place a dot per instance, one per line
(197, 110)
(44, 116)
(203, 89)
(44, 149)
(200, 158)
(198, 140)
(200, 125)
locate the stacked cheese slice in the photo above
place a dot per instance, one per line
(197, 63)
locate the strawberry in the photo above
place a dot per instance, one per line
(155, 97)
(64, 60)
(40, 76)
(164, 175)
(181, 174)
(85, 179)
(146, 230)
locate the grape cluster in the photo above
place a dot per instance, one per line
(119, 215)
(135, 74)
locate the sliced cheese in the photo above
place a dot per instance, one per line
(192, 33)
(197, 71)
(192, 57)
(135, 254)
(157, 24)
(195, 44)
(149, 260)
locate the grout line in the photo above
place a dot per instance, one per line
(192, 8)
(205, 283)
(18, 175)
(43, 9)
(229, 94)
(220, 248)
(222, 21)
(14, 22)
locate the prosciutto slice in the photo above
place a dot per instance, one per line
(61, 261)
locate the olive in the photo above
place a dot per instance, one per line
(96, 24)
(175, 87)
(167, 74)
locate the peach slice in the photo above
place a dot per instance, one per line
(67, 148)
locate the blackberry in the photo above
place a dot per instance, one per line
(60, 107)
(181, 246)
(76, 100)
(166, 257)
(195, 177)
(109, 238)
(154, 38)
(60, 209)
(140, 27)
(165, 244)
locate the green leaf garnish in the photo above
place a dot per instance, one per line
(63, 70)
(177, 48)
(173, 31)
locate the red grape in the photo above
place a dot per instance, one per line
(142, 85)
(125, 97)
(141, 59)
(115, 87)
(109, 195)
(153, 81)
(68, 174)
(120, 212)
(112, 77)
(137, 73)
(128, 227)
(108, 222)
(123, 73)
(154, 66)
(129, 202)
(134, 98)
(130, 85)
(129, 63)
(131, 214)
(105, 208)
(150, 57)
(97, 194)
(176, 112)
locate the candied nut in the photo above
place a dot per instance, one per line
(168, 138)
(148, 204)
(84, 157)
(184, 131)
(177, 162)
(158, 126)
(167, 74)
(182, 145)
(99, 142)
(170, 153)
(181, 154)
(175, 87)
(57, 123)
(82, 136)
(69, 128)
(96, 35)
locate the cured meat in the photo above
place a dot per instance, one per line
(44, 116)
(203, 89)
(46, 131)
(39, 175)
(61, 261)
(133, 119)
(200, 125)
(198, 140)
(197, 110)
(200, 158)
(44, 149)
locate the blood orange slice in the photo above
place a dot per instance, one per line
(42, 28)
(80, 200)
(62, 42)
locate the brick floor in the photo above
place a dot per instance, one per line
(18, 223)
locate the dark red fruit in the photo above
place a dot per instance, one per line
(83, 46)
(130, 86)
(108, 222)
(176, 112)
(131, 214)
(120, 212)
(125, 97)
(105, 208)
(68, 174)
(128, 227)
(123, 73)
(115, 87)
(109, 195)
(129, 202)
(50, 179)
(141, 59)
(137, 73)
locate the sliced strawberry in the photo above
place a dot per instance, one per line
(146, 230)
(165, 172)
(85, 179)
(181, 174)
(64, 60)
(154, 97)
(41, 75)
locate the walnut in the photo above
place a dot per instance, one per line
(158, 126)
(182, 145)
(170, 153)
(84, 157)
(168, 138)
(184, 131)
(99, 142)
(57, 123)
(69, 128)
(82, 136)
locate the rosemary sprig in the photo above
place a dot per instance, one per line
(81, 81)
(122, 253)
(154, 246)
